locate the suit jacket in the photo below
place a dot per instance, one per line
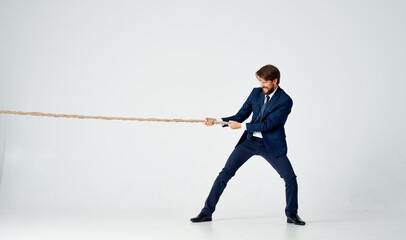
(272, 124)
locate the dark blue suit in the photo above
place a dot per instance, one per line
(272, 146)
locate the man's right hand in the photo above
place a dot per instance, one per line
(209, 121)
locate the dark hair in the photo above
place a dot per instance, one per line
(269, 72)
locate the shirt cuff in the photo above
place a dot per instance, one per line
(243, 126)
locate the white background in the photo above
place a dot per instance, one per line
(342, 62)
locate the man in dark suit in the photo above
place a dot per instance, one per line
(263, 136)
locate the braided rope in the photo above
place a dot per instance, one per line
(40, 114)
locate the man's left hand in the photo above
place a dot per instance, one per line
(234, 125)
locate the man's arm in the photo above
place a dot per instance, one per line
(241, 116)
(232, 124)
(244, 112)
(273, 120)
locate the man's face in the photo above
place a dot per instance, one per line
(268, 86)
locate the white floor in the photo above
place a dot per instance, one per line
(96, 224)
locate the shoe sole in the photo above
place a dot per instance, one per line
(203, 220)
(301, 224)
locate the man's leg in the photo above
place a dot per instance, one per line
(237, 158)
(284, 168)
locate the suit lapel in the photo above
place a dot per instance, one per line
(258, 105)
(261, 101)
(272, 100)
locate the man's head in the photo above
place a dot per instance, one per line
(268, 77)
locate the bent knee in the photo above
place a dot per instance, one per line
(290, 179)
(226, 174)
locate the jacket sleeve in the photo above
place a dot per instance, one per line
(274, 119)
(244, 112)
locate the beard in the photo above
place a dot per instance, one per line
(267, 91)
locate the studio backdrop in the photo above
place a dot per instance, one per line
(342, 63)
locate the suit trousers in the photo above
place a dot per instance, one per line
(245, 150)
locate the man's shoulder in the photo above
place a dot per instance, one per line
(257, 89)
(285, 97)
(255, 92)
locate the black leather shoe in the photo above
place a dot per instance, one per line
(295, 219)
(201, 218)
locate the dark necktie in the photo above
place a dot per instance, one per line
(264, 106)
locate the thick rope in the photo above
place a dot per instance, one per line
(40, 114)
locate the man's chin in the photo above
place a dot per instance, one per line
(267, 91)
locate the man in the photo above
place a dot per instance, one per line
(263, 136)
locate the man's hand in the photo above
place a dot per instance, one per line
(234, 124)
(209, 121)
